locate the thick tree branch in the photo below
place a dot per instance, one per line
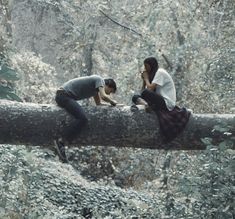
(37, 124)
(128, 28)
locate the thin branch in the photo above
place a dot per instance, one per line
(213, 3)
(180, 37)
(128, 28)
(166, 59)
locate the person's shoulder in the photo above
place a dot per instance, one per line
(96, 76)
(162, 70)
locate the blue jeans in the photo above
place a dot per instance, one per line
(67, 102)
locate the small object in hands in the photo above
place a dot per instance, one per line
(113, 103)
(60, 148)
(134, 108)
(120, 104)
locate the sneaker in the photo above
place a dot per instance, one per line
(61, 150)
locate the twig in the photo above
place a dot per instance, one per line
(166, 59)
(213, 3)
(120, 24)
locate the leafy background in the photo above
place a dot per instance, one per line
(43, 43)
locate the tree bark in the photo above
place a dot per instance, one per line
(39, 124)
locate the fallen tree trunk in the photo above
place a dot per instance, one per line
(38, 124)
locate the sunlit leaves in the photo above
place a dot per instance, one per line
(38, 83)
(8, 75)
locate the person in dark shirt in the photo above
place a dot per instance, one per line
(79, 89)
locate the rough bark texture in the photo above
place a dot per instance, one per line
(34, 124)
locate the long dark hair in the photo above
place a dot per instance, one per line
(153, 66)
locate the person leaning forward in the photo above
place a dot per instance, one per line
(67, 97)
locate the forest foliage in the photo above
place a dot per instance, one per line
(43, 43)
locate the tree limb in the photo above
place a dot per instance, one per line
(39, 124)
(128, 28)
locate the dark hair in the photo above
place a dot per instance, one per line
(153, 66)
(110, 83)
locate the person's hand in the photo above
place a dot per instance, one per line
(113, 103)
(144, 75)
(141, 74)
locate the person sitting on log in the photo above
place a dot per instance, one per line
(159, 94)
(79, 89)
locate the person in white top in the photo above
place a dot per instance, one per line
(158, 87)
(158, 94)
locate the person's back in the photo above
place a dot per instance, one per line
(166, 87)
(84, 87)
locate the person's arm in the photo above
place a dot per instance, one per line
(150, 86)
(97, 99)
(143, 85)
(105, 97)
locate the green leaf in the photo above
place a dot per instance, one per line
(14, 97)
(207, 141)
(8, 93)
(8, 73)
(5, 89)
(3, 96)
(221, 128)
(210, 147)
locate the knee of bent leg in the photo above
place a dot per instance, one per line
(145, 93)
(60, 100)
(135, 98)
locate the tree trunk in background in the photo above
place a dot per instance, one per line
(37, 124)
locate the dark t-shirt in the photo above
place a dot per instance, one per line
(84, 87)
